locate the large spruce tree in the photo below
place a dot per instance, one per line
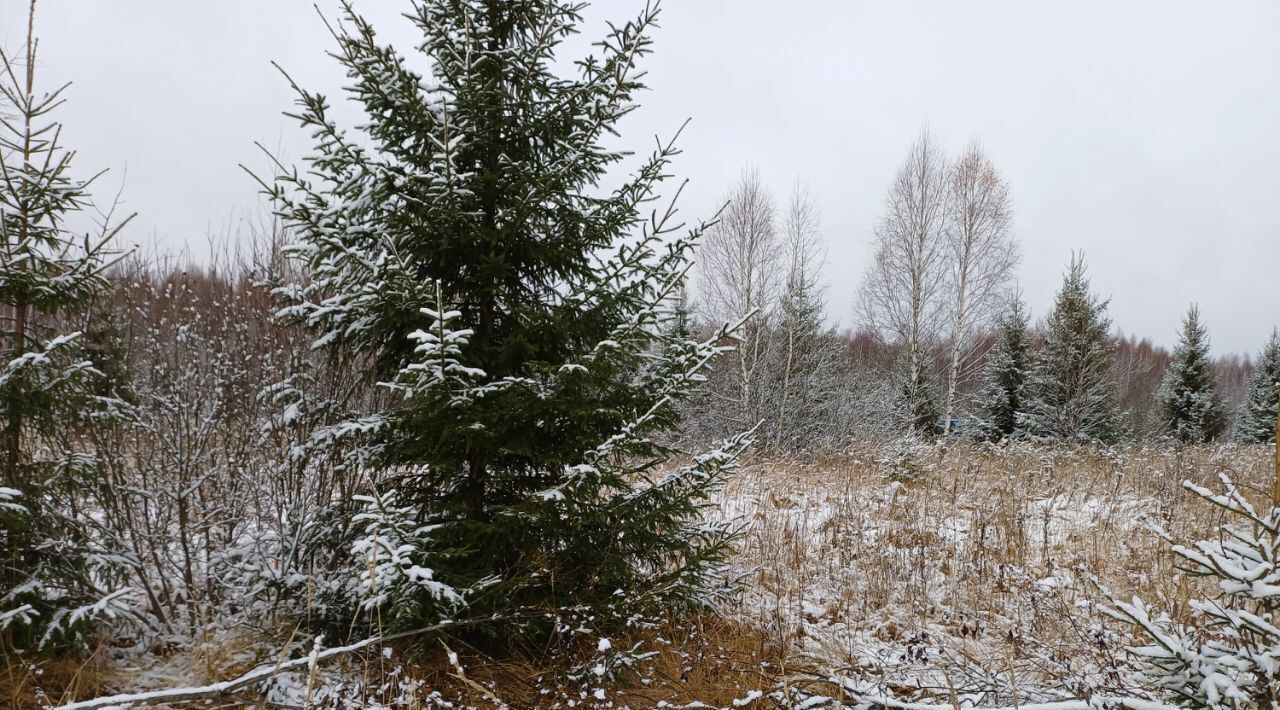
(1007, 369)
(463, 238)
(1072, 388)
(1257, 423)
(1188, 396)
(52, 581)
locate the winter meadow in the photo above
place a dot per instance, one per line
(479, 416)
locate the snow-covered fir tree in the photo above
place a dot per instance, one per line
(1008, 366)
(462, 238)
(54, 582)
(1257, 423)
(1071, 394)
(1188, 396)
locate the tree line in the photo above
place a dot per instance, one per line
(943, 343)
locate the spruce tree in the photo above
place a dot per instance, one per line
(1072, 388)
(1006, 376)
(1188, 396)
(918, 406)
(807, 363)
(53, 581)
(1258, 413)
(679, 317)
(465, 242)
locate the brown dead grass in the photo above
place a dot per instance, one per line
(699, 658)
(35, 682)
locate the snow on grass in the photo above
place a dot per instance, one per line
(981, 567)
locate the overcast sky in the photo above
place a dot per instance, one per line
(1146, 134)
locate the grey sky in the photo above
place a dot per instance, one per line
(1146, 134)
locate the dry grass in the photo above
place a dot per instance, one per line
(704, 657)
(983, 562)
(53, 680)
(701, 658)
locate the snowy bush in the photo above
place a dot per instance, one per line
(906, 459)
(63, 584)
(1229, 655)
(393, 549)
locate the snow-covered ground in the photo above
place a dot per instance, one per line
(969, 583)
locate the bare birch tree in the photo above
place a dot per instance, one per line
(740, 266)
(902, 294)
(981, 257)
